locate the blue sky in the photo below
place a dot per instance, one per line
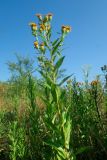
(85, 45)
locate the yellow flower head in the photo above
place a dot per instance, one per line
(66, 29)
(42, 27)
(33, 26)
(94, 83)
(63, 28)
(36, 45)
(39, 16)
(47, 18)
(50, 15)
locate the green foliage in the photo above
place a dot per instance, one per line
(54, 117)
(17, 141)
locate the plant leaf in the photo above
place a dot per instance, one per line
(83, 149)
(59, 63)
(55, 48)
(54, 43)
(64, 80)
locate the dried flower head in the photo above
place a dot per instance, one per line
(33, 26)
(36, 45)
(47, 18)
(94, 83)
(66, 29)
(42, 27)
(39, 16)
(50, 15)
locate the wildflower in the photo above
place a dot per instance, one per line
(36, 45)
(94, 83)
(42, 27)
(50, 16)
(39, 16)
(46, 19)
(66, 29)
(33, 26)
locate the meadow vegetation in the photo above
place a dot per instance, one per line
(52, 117)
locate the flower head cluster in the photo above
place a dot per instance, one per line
(44, 25)
(42, 31)
(66, 29)
(40, 46)
(48, 17)
(94, 83)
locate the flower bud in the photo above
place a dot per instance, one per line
(50, 15)
(42, 47)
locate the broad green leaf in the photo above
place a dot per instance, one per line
(83, 149)
(67, 131)
(47, 85)
(52, 144)
(61, 152)
(55, 48)
(54, 43)
(58, 157)
(62, 96)
(49, 34)
(63, 118)
(56, 93)
(64, 80)
(59, 63)
(53, 57)
(51, 126)
(59, 54)
(55, 116)
(47, 78)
